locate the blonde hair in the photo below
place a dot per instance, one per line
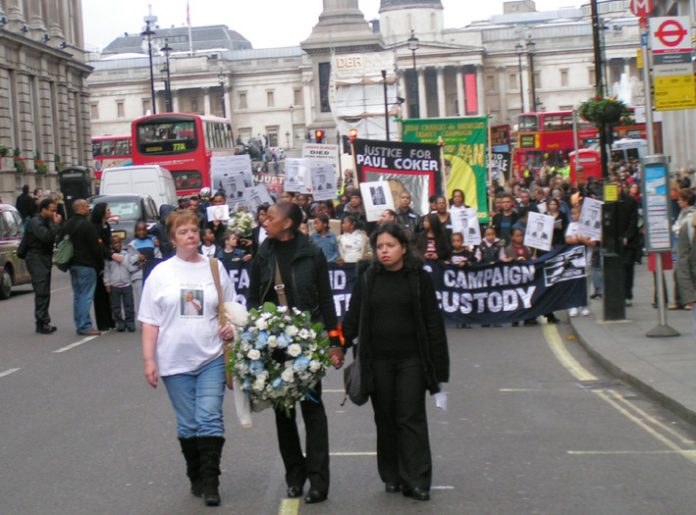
(178, 218)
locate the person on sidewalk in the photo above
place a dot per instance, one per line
(631, 251)
(87, 262)
(117, 281)
(403, 353)
(40, 237)
(25, 204)
(289, 257)
(573, 237)
(686, 214)
(186, 350)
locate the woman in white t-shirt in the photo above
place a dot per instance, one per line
(183, 343)
(573, 237)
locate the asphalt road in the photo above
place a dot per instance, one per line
(532, 427)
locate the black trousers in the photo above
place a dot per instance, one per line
(403, 446)
(315, 466)
(102, 306)
(39, 267)
(123, 297)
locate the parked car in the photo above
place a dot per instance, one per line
(13, 271)
(126, 211)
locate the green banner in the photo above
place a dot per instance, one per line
(465, 152)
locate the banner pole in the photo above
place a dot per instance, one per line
(489, 164)
(355, 165)
(443, 174)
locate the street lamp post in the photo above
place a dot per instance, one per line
(166, 49)
(386, 106)
(414, 106)
(221, 80)
(148, 33)
(520, 50)
(292, 124)
(531, 52)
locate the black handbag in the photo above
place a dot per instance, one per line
(352, 380)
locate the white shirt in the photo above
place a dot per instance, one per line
(181, 299)
(351, 246)
(208, 250)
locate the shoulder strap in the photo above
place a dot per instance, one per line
(216, 279)
(279, 286)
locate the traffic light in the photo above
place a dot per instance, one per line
(352, 134)
(319, 136)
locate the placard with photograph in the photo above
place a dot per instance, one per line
(257, 196)
(222, 167)
(295, 175)
(221, 213)
(471, 228)
(539, 231)
(376, 198)
(323, 175)
(591, 219)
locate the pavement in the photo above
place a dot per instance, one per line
(663, 368)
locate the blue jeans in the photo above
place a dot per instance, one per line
(84, 281)
(197, 400)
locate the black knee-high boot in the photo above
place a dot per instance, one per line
(189, 448)
(210, 450)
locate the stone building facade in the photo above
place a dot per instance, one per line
(44, 107)
(472, 70)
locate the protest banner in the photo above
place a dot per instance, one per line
(465, 152)
(539, 231)
(483, 295)
(411, 167)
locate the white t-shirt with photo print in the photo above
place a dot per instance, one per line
(180, 298)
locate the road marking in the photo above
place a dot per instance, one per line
(10, 371)
(442, 487)
(555, 343)
(369, 453)
(520, 390)
(688, 454)
(625, 453)
(76, 344)
(333, 391)
(289, 507)
(620, 398)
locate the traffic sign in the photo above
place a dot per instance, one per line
(670, 34)
(642, 8)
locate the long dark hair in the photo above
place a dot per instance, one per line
(398, 232)
(435, 224)
(99, 213)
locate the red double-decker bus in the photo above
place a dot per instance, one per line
(546, 138)
(183, 144)
(110, 151)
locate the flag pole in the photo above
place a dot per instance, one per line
(188, 22)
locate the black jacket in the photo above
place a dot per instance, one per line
(309, 288)
(432, 339)
(41, 235)
(26, 205)
(85, 239)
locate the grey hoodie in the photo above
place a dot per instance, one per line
(119, 274)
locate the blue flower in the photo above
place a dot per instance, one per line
(282, 342)
(256, 367)
(261, 340)
(246, 385)
(301, 363)
(246, 335)
(277, 383)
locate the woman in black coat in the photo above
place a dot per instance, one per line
(102, 303)
(432, 243)
(403, 352)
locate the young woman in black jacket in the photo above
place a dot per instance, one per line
(432, 242)
(403, 352)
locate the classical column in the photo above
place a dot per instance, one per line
(175, 101)
(206, 101)
(480, 91)
(502, 94)
(15, 14)
(441, 98)
(403, 86)
(461, 106)
(37, 29)
(422, 94)
(226, 104)
(55, 30)
(307, 96)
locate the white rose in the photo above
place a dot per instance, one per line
(291, 330)
(313, 334)
(282, 309)
(236, 313)
(287, 375)
(272, 341)
(261, 324)
(259, 384)
(254, 354)
(294, 350)
(314, 366)
(304, 334)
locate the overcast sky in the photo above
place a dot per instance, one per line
(266, 23)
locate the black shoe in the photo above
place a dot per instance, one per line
(130, 329)
(314, 496)
(419, 494)
(515, 324)
(189, 448)
(210, 450)
(596, 296)
(120, 328)
(392, 488)
(294, 492)
(528, 323)
(45, 329)
(552, 319)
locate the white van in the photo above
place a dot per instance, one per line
(150, 179)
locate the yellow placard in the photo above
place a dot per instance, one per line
(639, 58)
(611, 193)
(671, 93)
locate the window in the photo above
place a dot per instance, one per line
(537, 80)
(490, 83)
(324, 80)
(120, 109)
(298, 98)
(243, 100)
(564, 78)
(147, 106)
(591, 76)
(270, 98)
(513, 83)
(272, 134)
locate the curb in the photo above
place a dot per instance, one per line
(587, 331)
